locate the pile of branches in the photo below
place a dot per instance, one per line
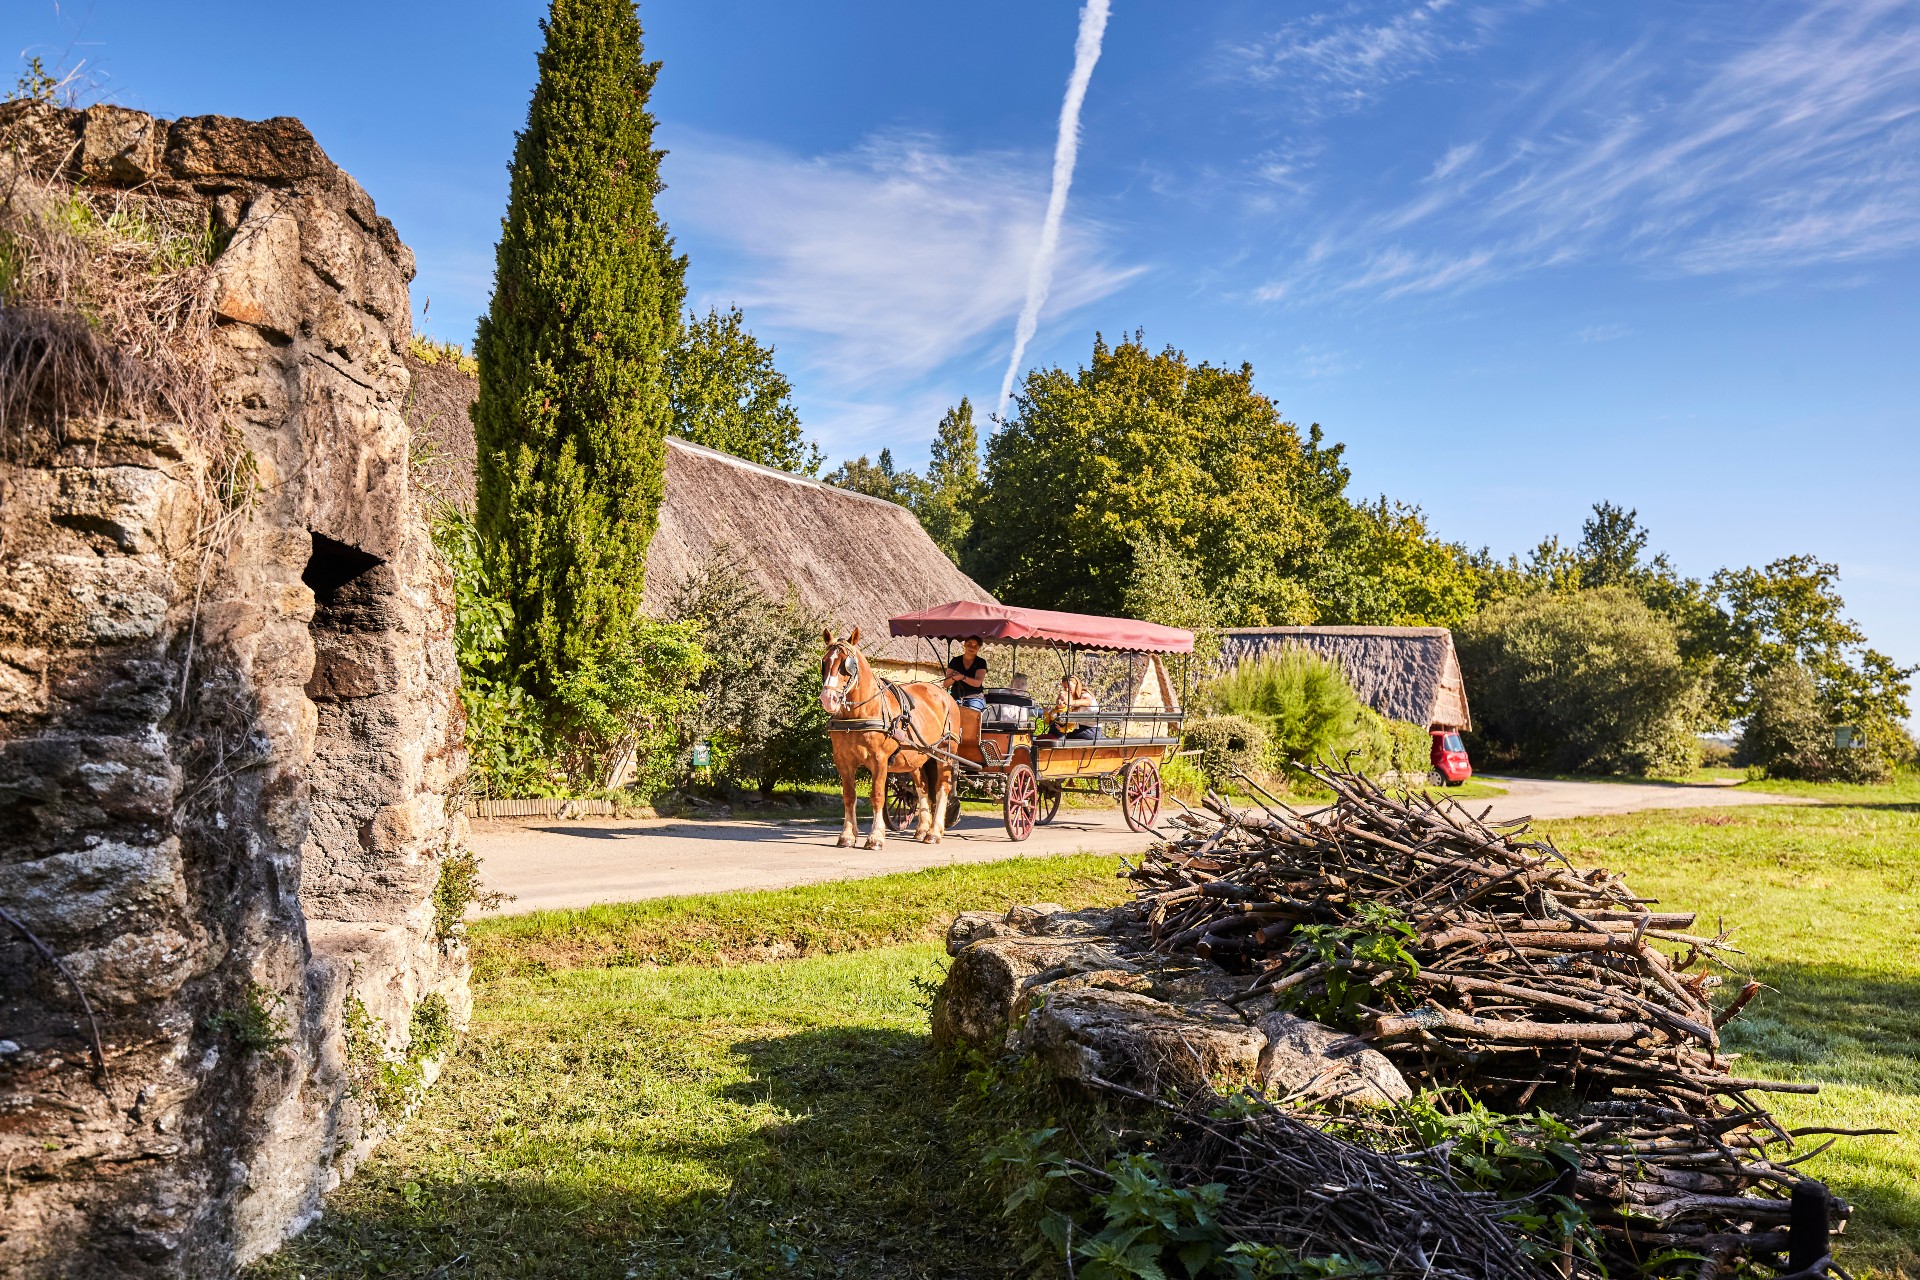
(1481, 960)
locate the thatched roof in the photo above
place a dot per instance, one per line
(436, 409)
(1404, 673)
(849, 559)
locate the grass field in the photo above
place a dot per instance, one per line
(644, 1092)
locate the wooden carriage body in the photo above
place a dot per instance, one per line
(1005, 752)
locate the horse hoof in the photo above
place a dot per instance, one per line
(874, 844)
(844, 841)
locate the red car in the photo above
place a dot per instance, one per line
(1450, 757)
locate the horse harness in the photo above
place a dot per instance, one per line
(900, 727)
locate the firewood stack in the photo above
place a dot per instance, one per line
(1478, 958)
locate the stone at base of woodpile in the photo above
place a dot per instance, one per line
(1084, 994)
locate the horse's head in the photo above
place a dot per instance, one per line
(845, 677)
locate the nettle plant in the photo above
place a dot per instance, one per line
(1356, 956)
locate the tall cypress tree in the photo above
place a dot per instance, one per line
(573, 405)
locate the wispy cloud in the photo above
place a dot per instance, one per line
(1313, 360)
(1604, 333)
(1730, 152)
(1346, 59)
(885, 262)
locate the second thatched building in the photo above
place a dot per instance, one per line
(1404, 673)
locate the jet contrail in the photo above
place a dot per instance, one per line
(1066, 148)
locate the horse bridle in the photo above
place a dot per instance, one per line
(849, 657)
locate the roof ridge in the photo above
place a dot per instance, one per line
(675, 442)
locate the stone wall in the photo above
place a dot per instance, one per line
(229, 739)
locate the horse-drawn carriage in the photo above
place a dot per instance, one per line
(1020, 750)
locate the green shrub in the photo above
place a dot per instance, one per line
(1309, 711)
(1786, 733)
(627, 709)
(1716, 753)
(1585, 681)
(1392, 746)
(1227, 745)
(621, 712)
(1181, 778)
(758, 702)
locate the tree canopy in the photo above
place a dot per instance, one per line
(1140, 443)
(574, 349)
(728, 395)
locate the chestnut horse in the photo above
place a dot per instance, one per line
(885, 728)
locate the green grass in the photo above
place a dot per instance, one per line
(768, 1119)
(641, 1095)
(1904, 789)
(1825, 901)
(725, 928)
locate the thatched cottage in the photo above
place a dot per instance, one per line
(1404, 673)
(851, 560)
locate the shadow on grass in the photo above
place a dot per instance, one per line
(868, 1176)
(1844, 1027)
(1886, 806)
(1836, 1023)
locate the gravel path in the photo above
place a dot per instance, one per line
(547, 864)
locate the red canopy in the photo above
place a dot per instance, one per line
(963, 618)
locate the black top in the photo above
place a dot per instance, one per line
(969, 685)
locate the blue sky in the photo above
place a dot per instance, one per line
(1520, 256)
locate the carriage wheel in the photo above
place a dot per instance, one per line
(1140, 794)
(898, 813)
(1023, 801)
(1050, 803)
(953, 803)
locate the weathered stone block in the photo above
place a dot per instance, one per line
(1090, 1034)
(1307, 1060)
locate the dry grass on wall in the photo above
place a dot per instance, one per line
(106, 305)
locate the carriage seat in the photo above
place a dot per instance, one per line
(1007, 710)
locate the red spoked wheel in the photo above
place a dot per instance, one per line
(1140, 794)
(1022, 803)
(899, 811)
(1050, 803)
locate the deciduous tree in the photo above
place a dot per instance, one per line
(953, 480)
(1591, 681)
(729, 395)
(1138, 443)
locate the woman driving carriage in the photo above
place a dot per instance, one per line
(966, 675)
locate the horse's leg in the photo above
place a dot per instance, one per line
(849, 799)
(942, 784)
(878, 768)
(925, 833)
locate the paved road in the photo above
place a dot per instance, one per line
(1542, 798)
(576, 864)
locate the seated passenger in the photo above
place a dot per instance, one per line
(1076, 699)
(966, 676)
